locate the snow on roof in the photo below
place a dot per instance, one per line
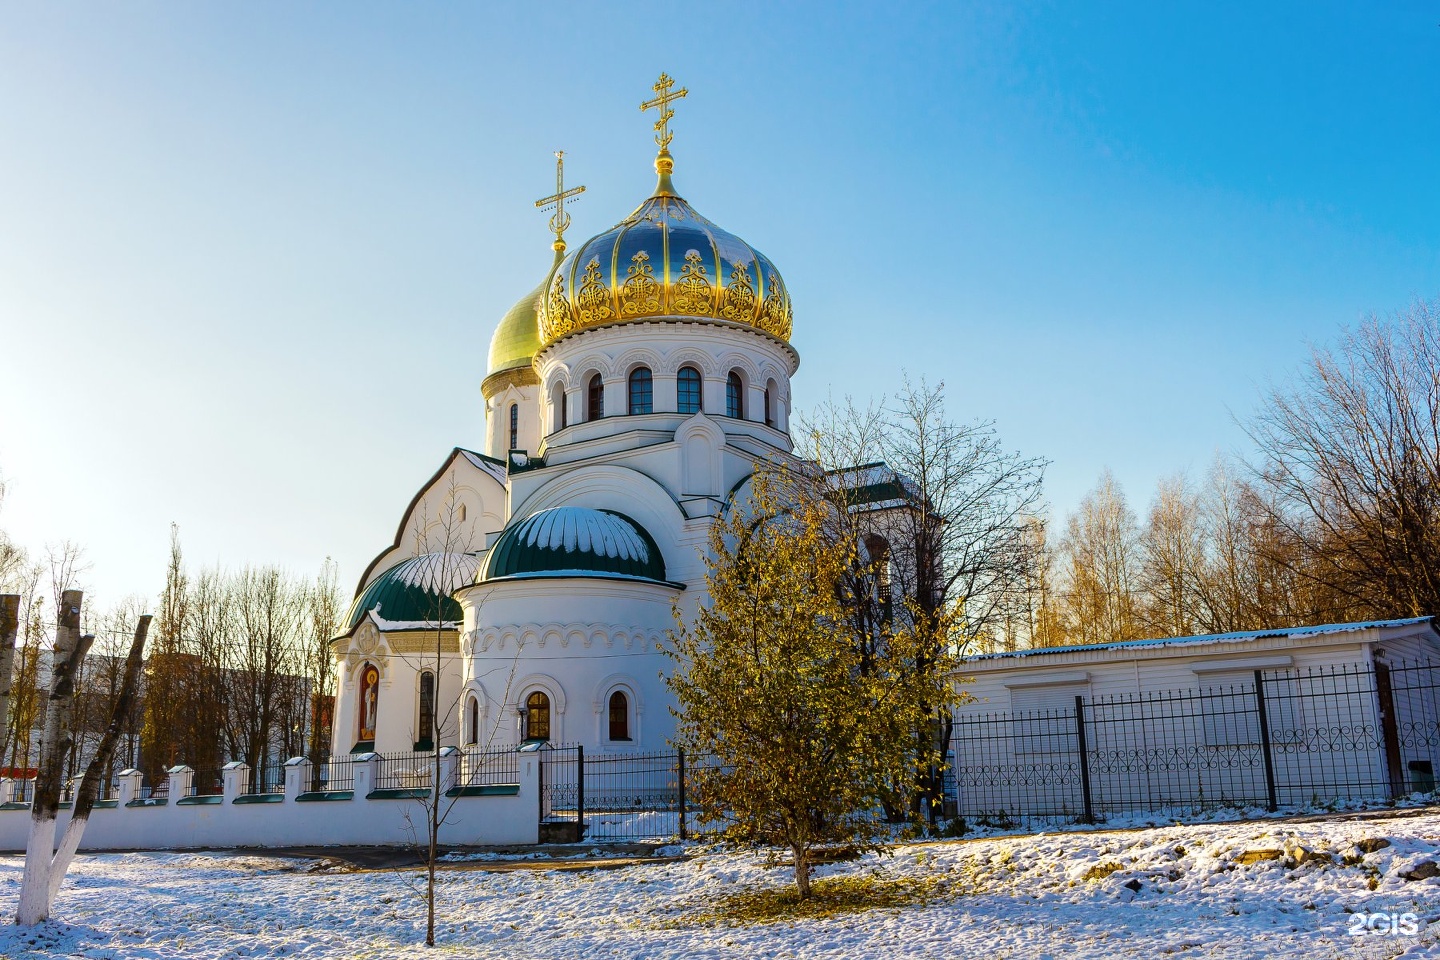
(586, 530)
(485, 464)
(438, 573)
(1293, 633)
(386, 626)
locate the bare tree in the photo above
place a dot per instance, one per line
(1100, 553)
(325, 605)
(1172, 558)
(1350, 455)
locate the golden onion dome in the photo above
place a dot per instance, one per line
(664, 260)
(517, 338)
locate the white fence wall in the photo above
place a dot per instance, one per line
(504, 815)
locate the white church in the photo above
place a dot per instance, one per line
(627, 399)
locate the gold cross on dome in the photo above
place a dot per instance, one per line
(662, 101)
(560, 222)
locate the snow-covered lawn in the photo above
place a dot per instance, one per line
(1217, 890)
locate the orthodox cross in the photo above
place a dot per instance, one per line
(662, 101)
(560, 222)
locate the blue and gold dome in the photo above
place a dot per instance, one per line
(574, 542)
(664, 260)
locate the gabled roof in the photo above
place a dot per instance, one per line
(1293, 633)
(495, 469)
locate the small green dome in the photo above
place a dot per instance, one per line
(414, 590)
(517, 339)
(575, 541)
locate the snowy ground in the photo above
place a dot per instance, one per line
(1155, 893)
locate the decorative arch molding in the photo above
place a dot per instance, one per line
(565, 636)
(626, 363)
(769, 371)
(690, 357)
(546, 684)
(367, 645)
(747, 366)
(618, 681)
(611, 487)
(590, 365)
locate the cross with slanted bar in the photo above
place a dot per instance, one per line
(662, 102)
(560, 222)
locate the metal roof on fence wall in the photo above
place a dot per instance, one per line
(1297, 633)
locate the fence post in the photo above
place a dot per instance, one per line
(580, 793)
(1270, 794)
(1084, 748)
(680, 762)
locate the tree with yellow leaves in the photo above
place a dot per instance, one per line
(802, 738)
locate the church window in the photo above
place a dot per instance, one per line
(425, 736)
(619, 716)
(642, 391)
(688, 384)
(770, 404)
(514, 426)
(595, 398)
(557, 400)
(472, 721)
(734, 396)
(461, 512)
(537, 716)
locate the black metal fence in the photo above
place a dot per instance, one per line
(621, 797)
(268, 778)
(1285, 738)
(412, 771)
(479, 769)
(208, 783)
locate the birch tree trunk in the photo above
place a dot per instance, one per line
(9, 624)
(90, 785)
(55, 742)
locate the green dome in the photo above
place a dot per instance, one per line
(517, 339)
(414, 590)
(575, 541)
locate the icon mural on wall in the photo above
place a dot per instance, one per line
(369, 683)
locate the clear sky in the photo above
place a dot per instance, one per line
(251, 255)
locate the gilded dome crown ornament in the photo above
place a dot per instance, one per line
(664, 260)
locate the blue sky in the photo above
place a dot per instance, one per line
(251, 255)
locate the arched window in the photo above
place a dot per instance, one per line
(557, 401)
(734, 396)
(595, 398)
(472, 721)
(514, 425)
(619, 716)
(769, 407)
(688, 385)
(425, 728)
(642, 391)
(537, 716)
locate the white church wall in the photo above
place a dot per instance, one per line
(713, 348)
(577, 640)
